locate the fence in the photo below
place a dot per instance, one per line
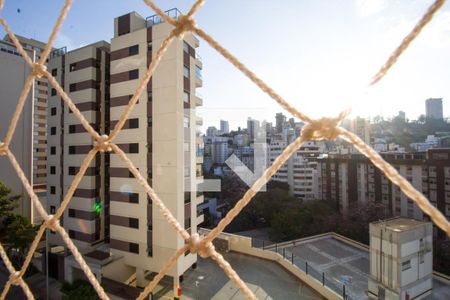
(327, 280)
(321, 129)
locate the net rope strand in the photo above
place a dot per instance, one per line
(324, 128)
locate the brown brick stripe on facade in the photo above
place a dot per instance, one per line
(82, 64)
(121, 100)
(122, 196)
(81, 214)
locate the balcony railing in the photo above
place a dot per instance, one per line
(58, 52)
(156, 19)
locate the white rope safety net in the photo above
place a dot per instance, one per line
(320, 129)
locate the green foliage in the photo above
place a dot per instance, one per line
(7, 202)
(78, 290)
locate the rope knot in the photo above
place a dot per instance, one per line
(324, 128)
(14, 278)
(3, 149)
(103, 144)
(39, 70)
(196, 245)
(184, 24)
(51, 222)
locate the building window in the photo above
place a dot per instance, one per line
(52, 150)
(52, 209)
(72, 128)
(133, 123)
(133, 50)
(71, 213)
(150, 97)
(185, 47)
(186, 122)
(149, 47)
(133, 198)
(52, 170)
(186, 97)
(133, 223)
(53, 92)
(134, 148)
(52, 190)
(71, 149)
(134, 248)
(72, 67)
(53, 111)
(421, 257)
(72, 170)
(72, 87)
(54, 72)
(71, 234)
(406, 265)
(186, 72)
(133, 74)
(53, 130)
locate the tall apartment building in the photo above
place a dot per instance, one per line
(159, 138)
(84, 75)
(300, 170)
(401, 259)
(350, 180)
(13, 74)
(280, 120)
(433, 108)
(224, 127)
(39, 116)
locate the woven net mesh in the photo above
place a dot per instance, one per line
(314, 129)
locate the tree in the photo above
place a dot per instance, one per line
(79, 290)
(7, 202)
(19, 236)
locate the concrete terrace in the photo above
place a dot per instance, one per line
(341, 260)
(266, 279)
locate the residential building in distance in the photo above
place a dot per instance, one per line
(300, 170)
(280, 120)
(252, 129)
(349, 180)
(212, 131)
(224, 127)
(401, 259)
(219, 150)
(433, 108)
(84, 75)
(160, 139)
(13, 74)
(39, 116)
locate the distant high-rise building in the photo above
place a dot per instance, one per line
(252, 128)
(300, 170)
(291, 122)
(39, 116)
(219, 151)
(361, 127)
(433, 108)
(212, 131)
(280, 120)
(224, 127)
(402, 116)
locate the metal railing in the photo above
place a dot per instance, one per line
(156, 19)
(58, 52)
(326, 279)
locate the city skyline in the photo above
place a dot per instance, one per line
(337, 63)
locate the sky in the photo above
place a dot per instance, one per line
(319, 55)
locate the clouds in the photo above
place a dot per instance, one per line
(370, 7)
(63, 40)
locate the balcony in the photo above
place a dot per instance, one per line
(198, 121)
(199, 61)
(198, 99)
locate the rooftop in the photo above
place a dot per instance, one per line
(345, 261)
(399, 224)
